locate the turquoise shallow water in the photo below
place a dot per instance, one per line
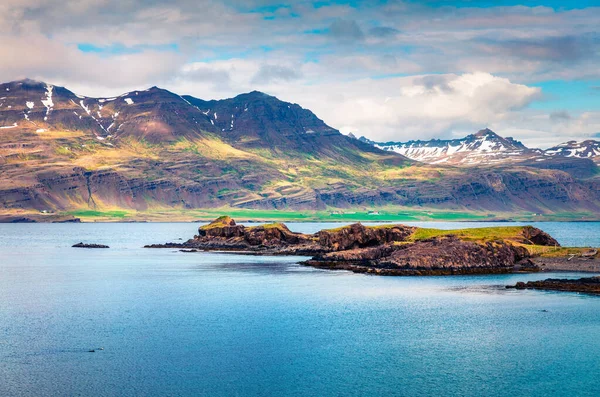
(213, 324)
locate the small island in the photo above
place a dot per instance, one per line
(395, 250)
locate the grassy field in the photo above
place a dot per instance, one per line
(359, 215)
(387, 215)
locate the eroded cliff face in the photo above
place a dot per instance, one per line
(385, 249)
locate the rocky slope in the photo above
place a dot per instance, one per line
(153, 150)
(385, 250)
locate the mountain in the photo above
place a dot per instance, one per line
(589, 149)
(156, 151)
(485, 148)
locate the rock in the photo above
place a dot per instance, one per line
(359, 236)
(82, 245)
(586, 285)
(538, 237)
(437, 256)
(222, 227)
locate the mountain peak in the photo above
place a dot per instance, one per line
(486, 132)
(254, 95)
(27, 81)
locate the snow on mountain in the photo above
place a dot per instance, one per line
(483, 147)
(586, 149)
(486, 147)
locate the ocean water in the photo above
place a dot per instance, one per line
(174, 323)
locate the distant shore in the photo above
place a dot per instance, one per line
(393, 214)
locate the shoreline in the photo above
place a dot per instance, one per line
(39, 218)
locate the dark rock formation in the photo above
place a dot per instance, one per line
(437, 256)
(385, 249)
(586, 285)
(359, 236)
(82, 245)
(538, 237)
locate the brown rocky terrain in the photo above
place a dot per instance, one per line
(384, 250)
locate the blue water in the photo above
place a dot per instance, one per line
(211, 324)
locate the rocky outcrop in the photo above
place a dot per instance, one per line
(271, 239)
(83, 245)
(437, 256)
(538, 237)
(585, 285)
(360, 236)
(385, 249)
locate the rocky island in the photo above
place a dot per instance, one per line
(387, 249)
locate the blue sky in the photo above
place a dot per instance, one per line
(389, 70)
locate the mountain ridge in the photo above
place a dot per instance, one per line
(485, 147)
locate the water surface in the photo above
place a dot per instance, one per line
(173, 323)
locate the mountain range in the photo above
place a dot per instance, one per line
(485, 147)
(154, 150)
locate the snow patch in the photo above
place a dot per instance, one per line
(129, 101)
(8, 126)
(87, 109)
(29, 105)
(48, 103)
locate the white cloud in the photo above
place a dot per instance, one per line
(224, 49)
(405, 108)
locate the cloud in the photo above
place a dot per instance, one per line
(39, 57)
(383, 31)
(556, 49)
(560, 115)
(403, 108)
(462, 68)
(275, 73)
(346, 30)
(433, 83)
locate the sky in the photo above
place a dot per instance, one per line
(388, 70)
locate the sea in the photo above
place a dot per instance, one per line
(130, 321)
